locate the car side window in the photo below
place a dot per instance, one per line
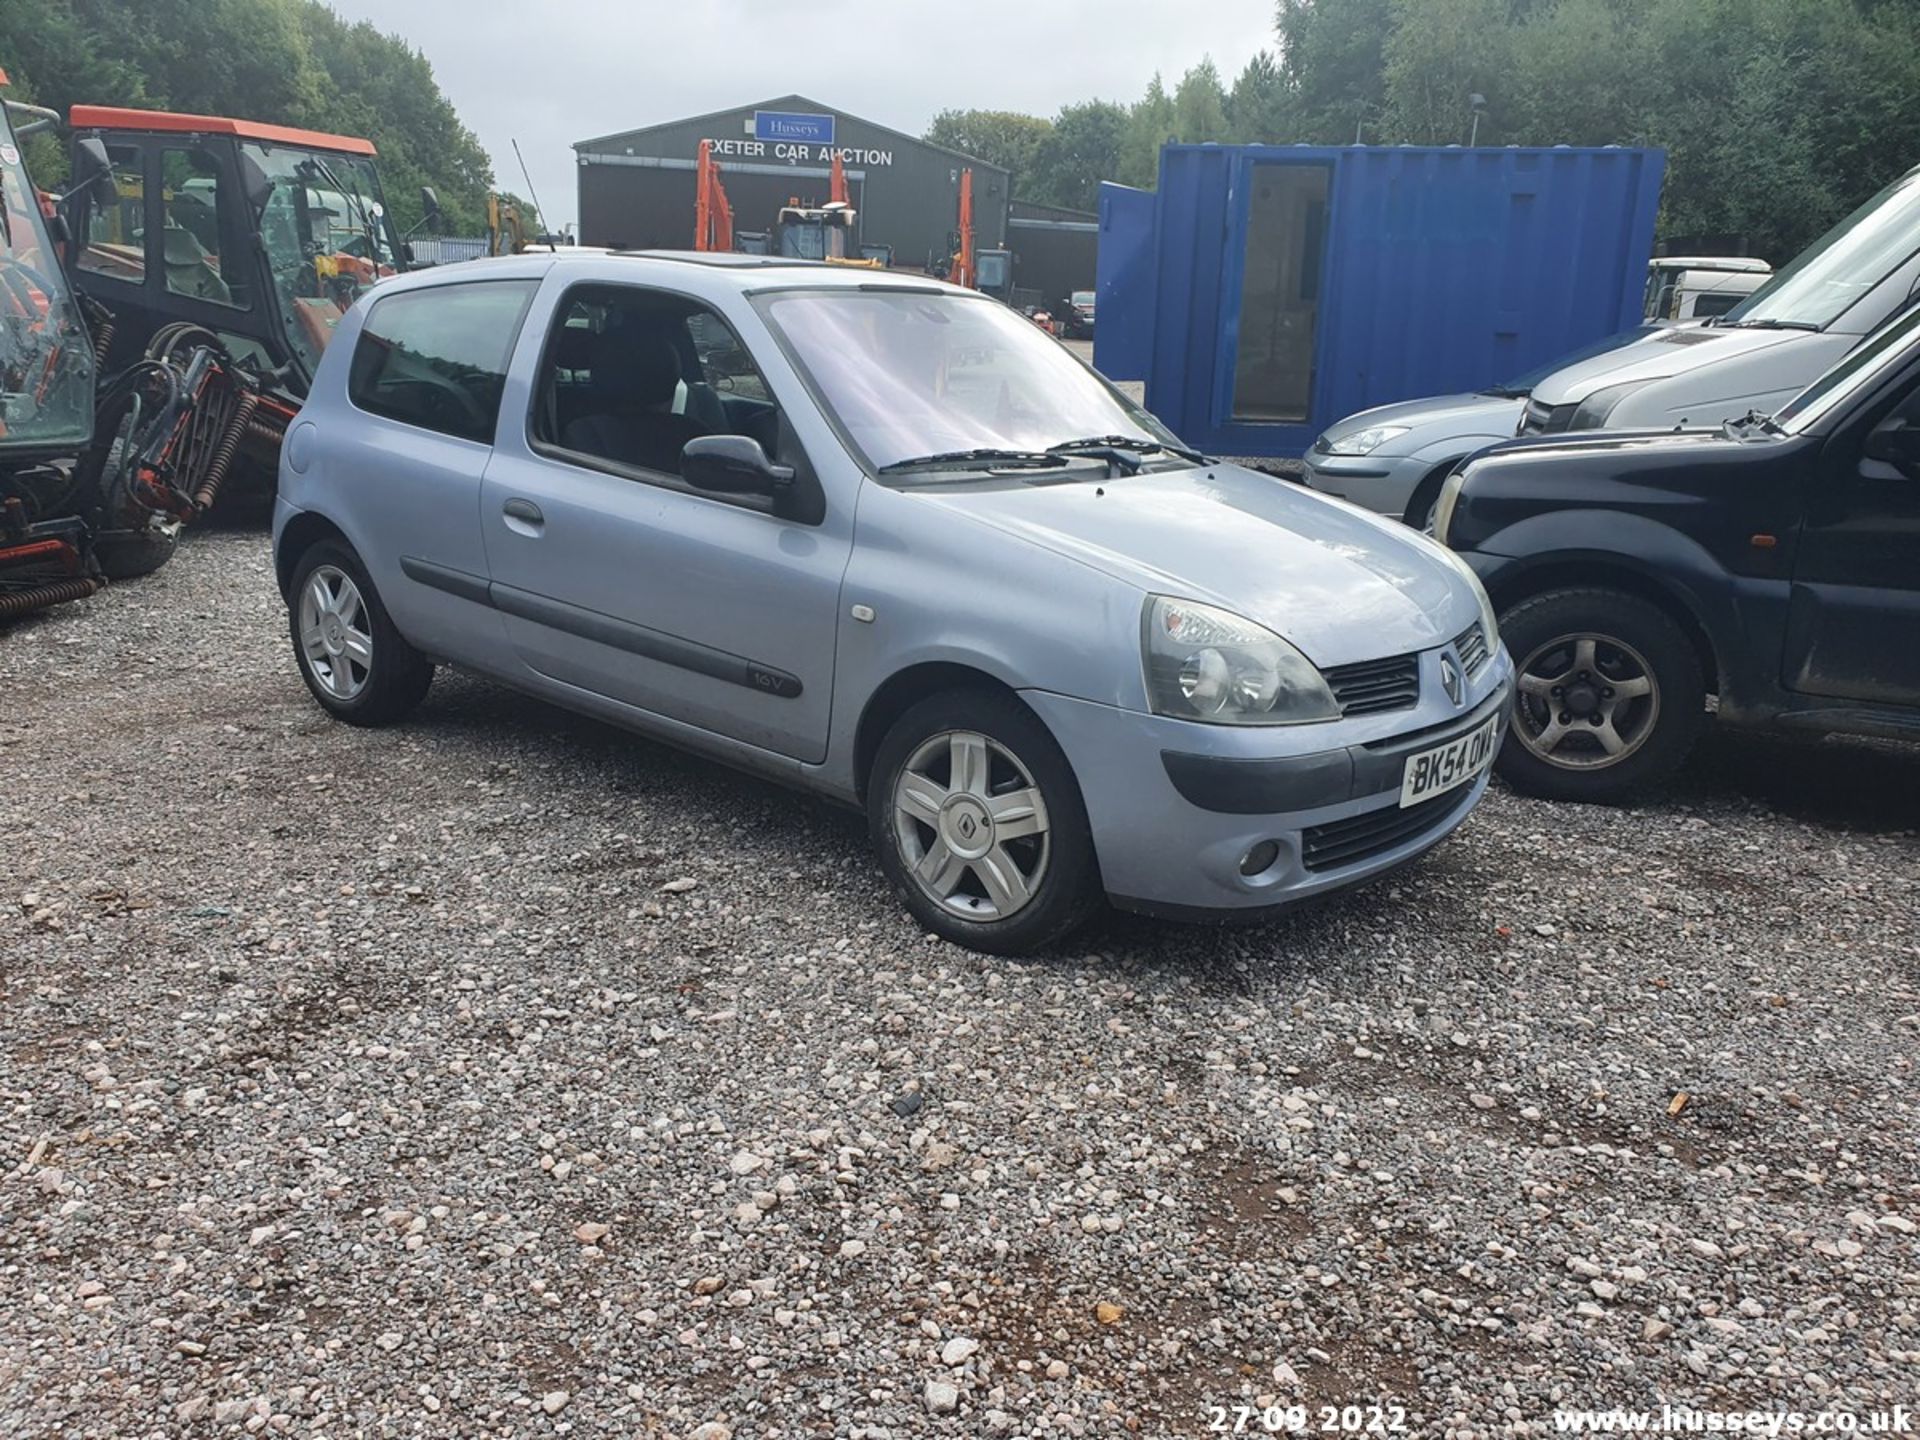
(437, 358)
(115, 243)
(631, 375)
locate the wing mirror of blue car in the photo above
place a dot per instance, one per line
(732, 465)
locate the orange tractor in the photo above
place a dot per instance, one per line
(160, 323)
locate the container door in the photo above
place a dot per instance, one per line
(1282, 262)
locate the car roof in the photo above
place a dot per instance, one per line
(1742, 264)
(720, 269)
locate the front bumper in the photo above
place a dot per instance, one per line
(1175, 806)
(1381, 483)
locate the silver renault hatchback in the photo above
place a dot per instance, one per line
(880, 537)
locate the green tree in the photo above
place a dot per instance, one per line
(1082, 149)
(1260, 109)
(1150, 124)
(289, 62)
(999, 137)
(1200, 106)
(1332, 58)
(1439, 53)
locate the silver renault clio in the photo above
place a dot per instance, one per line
(879, 537)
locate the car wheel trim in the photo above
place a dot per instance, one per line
(1585, 701)
(334, 632)
(972, 826)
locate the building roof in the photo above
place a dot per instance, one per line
(797, 103)
(115, 117)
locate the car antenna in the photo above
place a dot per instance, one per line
(538, 218)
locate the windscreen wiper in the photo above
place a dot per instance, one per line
(1753, 419)
(1773, 325)
(1135, 444)
(983, 457)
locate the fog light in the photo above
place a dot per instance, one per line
(1260, 857)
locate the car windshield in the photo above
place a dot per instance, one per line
(1522, 385)
(911, 374)
(1862, 366)
(1816, 288)
(46, 359)
(327, 237)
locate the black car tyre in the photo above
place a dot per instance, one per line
(979, 824)
(355, 662)
(1609, 695)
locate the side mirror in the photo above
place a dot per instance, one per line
(93, 168)
(1895, 441)
(732, 465)
(254, 183)
(430, 207)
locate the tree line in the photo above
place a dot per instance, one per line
(287, 62)
(1778, 116)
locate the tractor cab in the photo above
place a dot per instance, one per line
(46, 357)
(261, 234)
(823, 232)
(994, 274)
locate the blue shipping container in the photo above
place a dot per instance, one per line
(1266, 292)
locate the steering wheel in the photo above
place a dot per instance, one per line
(21, 280)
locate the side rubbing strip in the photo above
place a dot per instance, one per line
(649, 644)
(604, 629)
(445, 577)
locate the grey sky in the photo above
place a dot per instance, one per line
(551, 74)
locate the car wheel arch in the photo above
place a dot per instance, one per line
(1420, 503)
(302, 533)
(902, 690)
(1576, 571)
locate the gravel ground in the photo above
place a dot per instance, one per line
(504, 1074)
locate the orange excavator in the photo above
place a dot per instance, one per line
(988, 271)
(960, 268)
(712, 215)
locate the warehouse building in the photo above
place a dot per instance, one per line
(637, 187)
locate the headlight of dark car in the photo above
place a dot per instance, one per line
(1593, 412)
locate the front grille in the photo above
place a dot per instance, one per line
(1471, 646)
(1371, 686)
(1540, 418)
(1360, 837)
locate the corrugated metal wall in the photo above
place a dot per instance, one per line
(1288, 287)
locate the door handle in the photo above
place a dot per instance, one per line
(518, 509)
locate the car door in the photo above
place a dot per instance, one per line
(1855, 610)
(618, 578)
(399, 467)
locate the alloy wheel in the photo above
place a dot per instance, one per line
(972, 825)
(1585, 701)
(335, 632)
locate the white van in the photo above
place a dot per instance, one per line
(1763, 351)
(1699, 287)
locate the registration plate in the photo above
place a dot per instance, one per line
(1436, 771)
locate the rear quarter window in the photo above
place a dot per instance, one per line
(437, 358)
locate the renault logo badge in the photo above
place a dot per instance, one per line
(1451, 680)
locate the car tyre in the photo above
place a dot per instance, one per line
(1609, 695)
(356, 663)
(979, 824)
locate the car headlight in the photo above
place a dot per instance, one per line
(1204, 663)
(1443, 507)
(1365, 442)
(1592, 412)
